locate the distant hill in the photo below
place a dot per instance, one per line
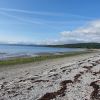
(79, 45)
(76, 45)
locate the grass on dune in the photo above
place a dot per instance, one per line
(38, 58)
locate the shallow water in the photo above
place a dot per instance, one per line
(18, 50)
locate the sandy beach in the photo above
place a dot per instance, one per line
(68, 78)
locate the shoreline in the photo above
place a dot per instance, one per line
(7, 56)
(40, 57)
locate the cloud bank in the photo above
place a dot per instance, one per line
(88, 33)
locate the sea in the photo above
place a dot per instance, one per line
(7, 50)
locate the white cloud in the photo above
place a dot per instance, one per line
(88, 33)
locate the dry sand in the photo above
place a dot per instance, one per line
(70, 78)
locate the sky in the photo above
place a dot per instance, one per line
(49, 21)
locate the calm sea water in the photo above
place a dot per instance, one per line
(14, 50)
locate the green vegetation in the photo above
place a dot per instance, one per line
(79, 45)
(39, 58)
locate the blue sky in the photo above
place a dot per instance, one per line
(49, 21)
